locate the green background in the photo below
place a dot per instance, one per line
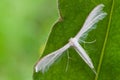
(24, 27)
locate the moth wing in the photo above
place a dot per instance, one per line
(95, 16)
(84, 56)
(49, 59)
(82, 53)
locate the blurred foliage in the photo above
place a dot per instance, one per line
(24, 27)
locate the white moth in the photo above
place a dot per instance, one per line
(96, 15)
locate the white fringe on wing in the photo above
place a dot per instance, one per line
(49, 59)
(95, 16)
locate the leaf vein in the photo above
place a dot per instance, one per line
(105, 41)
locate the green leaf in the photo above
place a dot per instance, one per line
(104, 53)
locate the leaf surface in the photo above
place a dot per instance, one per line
(104, 53)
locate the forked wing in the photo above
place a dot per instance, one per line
(49, 59)
(82, 53)
(95, 16)
(85, 57)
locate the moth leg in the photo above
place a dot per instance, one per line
(68, 59)
(88, 42)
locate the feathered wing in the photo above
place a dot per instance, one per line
(95, 16)
(49, 59)
(75, 44)
(96, 11)
(84, 56)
